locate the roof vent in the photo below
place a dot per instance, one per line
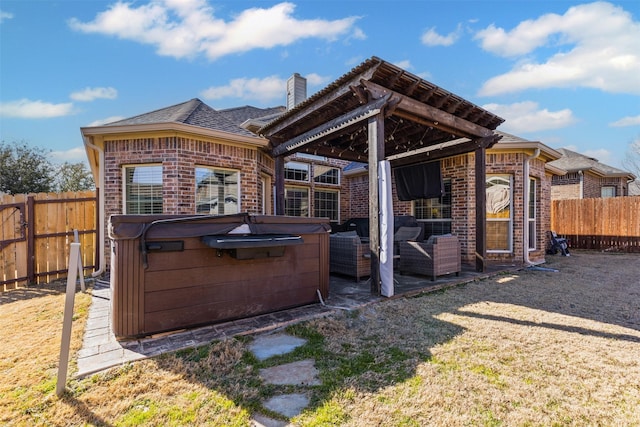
(296, 90)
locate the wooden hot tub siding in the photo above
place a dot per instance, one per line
(181, 289)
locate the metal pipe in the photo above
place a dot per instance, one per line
(527, 188)
(100, 185)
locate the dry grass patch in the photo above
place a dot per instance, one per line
(531, 348)
(30, 333)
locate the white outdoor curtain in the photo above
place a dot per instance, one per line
(386, 228)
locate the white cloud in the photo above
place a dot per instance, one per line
(600, 154)
(314, 79)
(626, 121)
(73, 155)
(522, 117)
(104, 121)
(265, 89)
(92, 93)
(5, 15)
(595, 45)
(27, 109)
(189, 28)
(432, 38)
(405, 65)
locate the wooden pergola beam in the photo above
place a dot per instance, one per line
(444, 150)
(328, 98)
(328, 129)
(425, 114)
(375, 133)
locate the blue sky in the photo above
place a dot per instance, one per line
(566, 73)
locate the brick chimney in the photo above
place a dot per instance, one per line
(296, 90)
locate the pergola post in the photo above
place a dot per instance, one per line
(375, 129)
(279, 175)
(481, 208)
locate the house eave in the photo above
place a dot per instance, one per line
(554, 170)
(546, 152)
(255, 141)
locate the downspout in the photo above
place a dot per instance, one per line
(100, 231)
(581, 194)
(527, 188)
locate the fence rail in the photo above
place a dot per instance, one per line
(610, 224)
(35, 233)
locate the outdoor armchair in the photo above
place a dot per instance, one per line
(348, 255)
(437, 256)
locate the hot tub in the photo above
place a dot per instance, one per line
(171, 272)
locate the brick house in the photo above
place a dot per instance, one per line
(586, 177)
(190, 158)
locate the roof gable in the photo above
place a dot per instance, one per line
(196, 113)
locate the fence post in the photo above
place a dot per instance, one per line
(76, 239)
(31, 239)
(63, 365)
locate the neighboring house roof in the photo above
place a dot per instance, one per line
(574, 162)
(196, 113)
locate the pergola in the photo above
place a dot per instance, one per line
(379, 111)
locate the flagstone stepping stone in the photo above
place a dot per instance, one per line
(266, 346)
(259, 420)
(303, 372)
(288, 405)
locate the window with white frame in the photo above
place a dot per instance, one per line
(296, 171)
(296, 201)
(499, 213)
(326, 205)
(326, 174)
(217, 191)
(142, 189)
(435, 213)
(608, 191)
(532, 217)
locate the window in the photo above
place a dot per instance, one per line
(296, 201)
(217, 191)
(533, 203)
(296, 171)
(435, 214)
(608, 191)
(325, 204)
(326, 175)
(143, 189)
(499, 213)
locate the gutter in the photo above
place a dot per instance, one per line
(100, 231)
(527, 188)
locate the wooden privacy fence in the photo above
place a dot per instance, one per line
(610, 224)
(35, 233)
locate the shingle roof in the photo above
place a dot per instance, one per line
(572, 162)
(507, 137)
(196, 113)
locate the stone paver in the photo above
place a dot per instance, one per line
(266, 346)
(288, 405)
(303, 373)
